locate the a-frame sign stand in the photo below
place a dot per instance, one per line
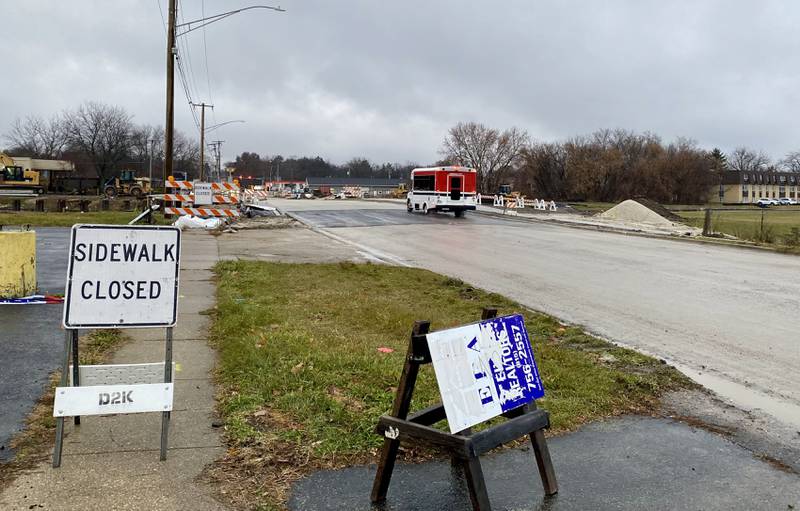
(118, 277)
(464, 447)
(71, 351)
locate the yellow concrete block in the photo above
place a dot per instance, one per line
(17, 263)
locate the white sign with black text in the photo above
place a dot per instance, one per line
(122, 276)
(112, 399)
(203, 194)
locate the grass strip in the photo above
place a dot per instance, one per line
(303, 381)
(68, 219)
(32, 445)
(779, 228)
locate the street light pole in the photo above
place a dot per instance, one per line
(170, 123)
(186, 27)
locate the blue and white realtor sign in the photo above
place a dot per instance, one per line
(484, 369)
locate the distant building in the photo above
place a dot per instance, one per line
(372, 187)
(279, 186)
(747, 187)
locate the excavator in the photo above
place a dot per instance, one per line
(16, 179)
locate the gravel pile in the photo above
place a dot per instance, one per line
(630, 211)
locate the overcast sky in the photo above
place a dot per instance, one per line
(386, 79)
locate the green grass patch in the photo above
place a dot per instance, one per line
(781, 225)
(70, 218)
(302, 378)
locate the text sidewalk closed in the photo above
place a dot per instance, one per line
(122, 276)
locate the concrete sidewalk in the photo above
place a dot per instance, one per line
(111, 462)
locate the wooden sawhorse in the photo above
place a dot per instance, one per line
(464, 447)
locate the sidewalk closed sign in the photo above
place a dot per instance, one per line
(122, 276)
(484, 369)
(203, 194)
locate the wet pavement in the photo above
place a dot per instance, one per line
(329, 219)
(629, 463)
(31, 339)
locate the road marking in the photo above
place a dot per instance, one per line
(371, 252)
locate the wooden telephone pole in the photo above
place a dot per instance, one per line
(170, 123)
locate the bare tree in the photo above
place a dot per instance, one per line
(186, 154)
(144, 140)
(36, 137)
(791, 161)
(102, 132)
(747, 160)
(492, 153)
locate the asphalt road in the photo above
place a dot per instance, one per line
(630, 463)
(31, 339)
(723, 315)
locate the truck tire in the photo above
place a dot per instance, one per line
(409, 207)
(425, 209)
(137, 192)
(110, 192)
(459, 213)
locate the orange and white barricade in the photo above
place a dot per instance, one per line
(182, 200)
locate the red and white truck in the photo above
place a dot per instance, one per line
(442, 189)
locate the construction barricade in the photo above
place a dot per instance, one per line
(201, 199)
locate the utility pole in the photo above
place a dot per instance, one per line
(170, 123)
(203, 107)
(152, 142)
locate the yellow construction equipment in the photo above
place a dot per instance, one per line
(400, 192)
(127, 184)
(16, 179)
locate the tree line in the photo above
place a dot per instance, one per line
(273, 168)
(100, 140)
(607, 166)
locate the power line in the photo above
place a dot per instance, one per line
(205, 54)
(186, 91)
(193, 88)
(181, 72)
(163, 21)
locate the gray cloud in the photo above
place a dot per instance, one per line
(386, 79)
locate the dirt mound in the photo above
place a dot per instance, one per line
(631, 211)
(658, 208)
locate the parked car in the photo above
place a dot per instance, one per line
(765, 203)
(787, 202)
